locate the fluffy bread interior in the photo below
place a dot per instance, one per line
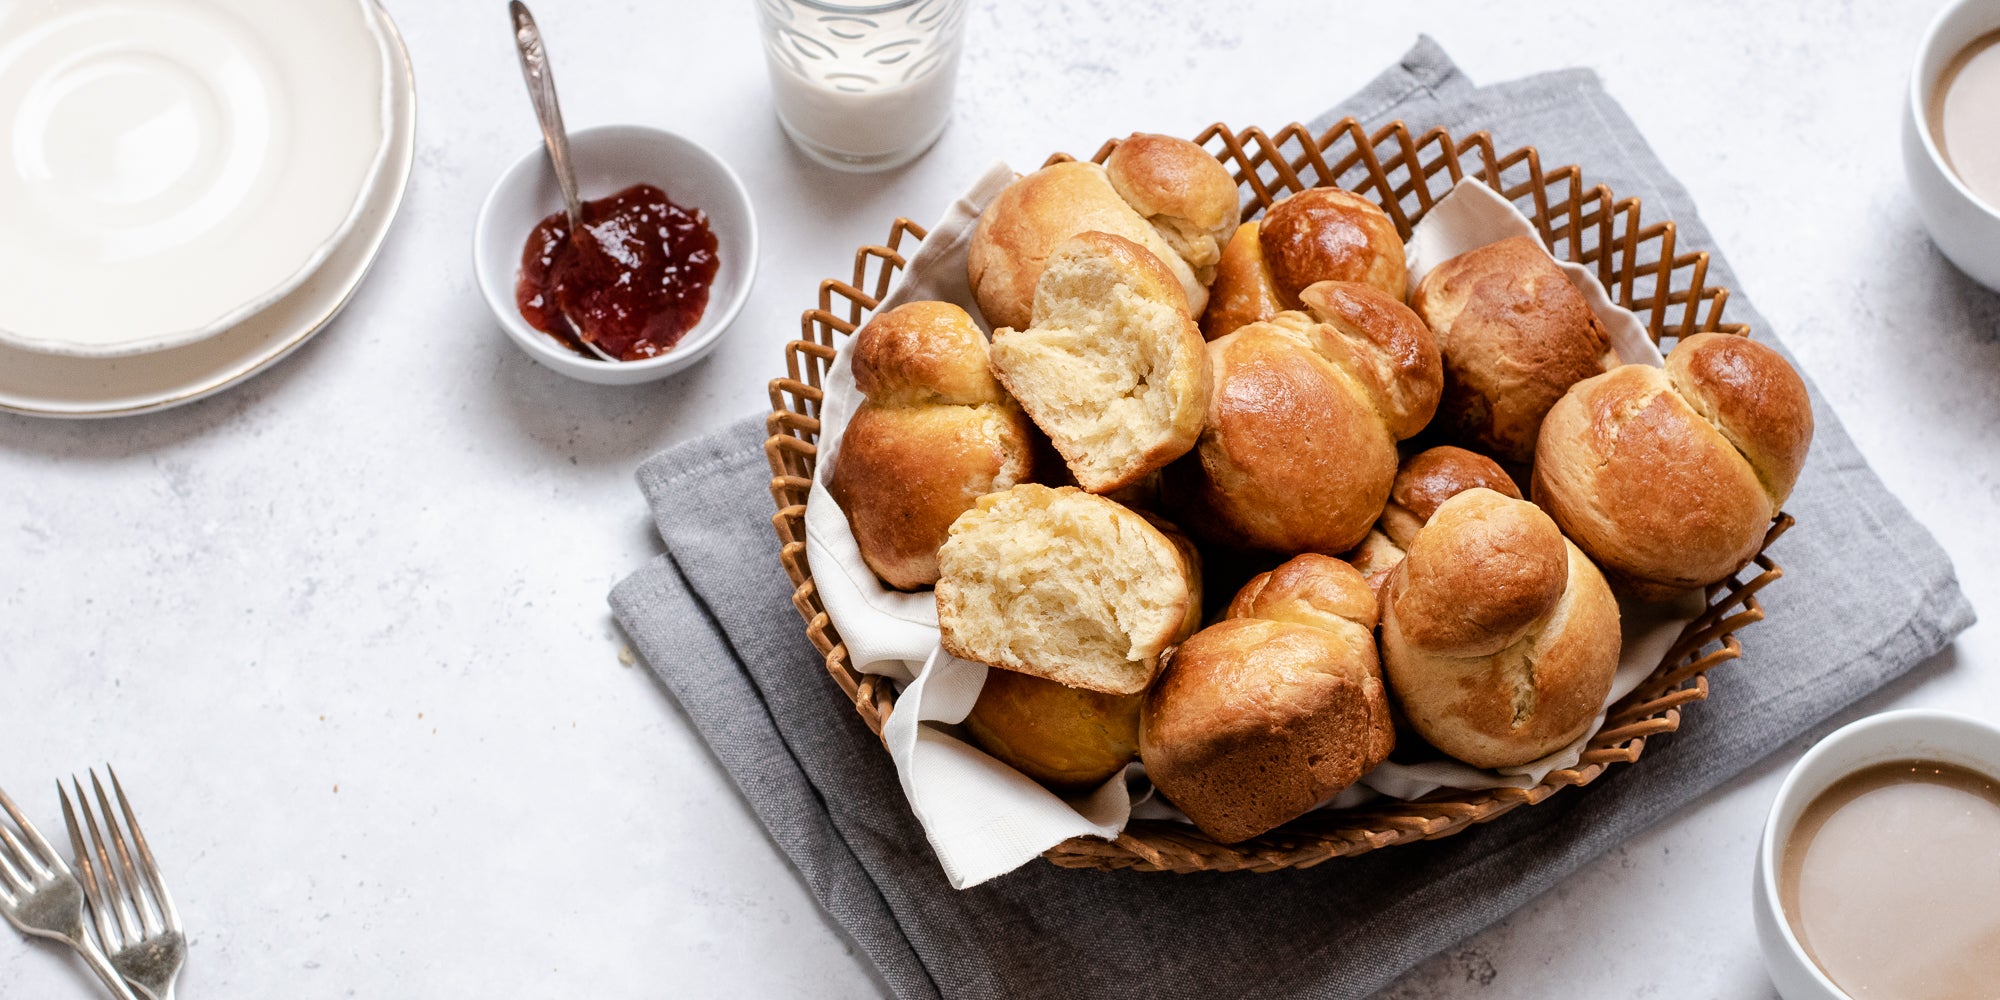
(1111, 369)
(1062, 585)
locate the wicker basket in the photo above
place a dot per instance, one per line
(1639, 264)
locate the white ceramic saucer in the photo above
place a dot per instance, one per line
(171, 167)
(43, 384)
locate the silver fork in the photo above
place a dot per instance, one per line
(142, 935)
(39, 896)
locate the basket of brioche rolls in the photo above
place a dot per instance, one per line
(1227, 472)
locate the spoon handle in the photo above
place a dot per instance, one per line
(542, 91)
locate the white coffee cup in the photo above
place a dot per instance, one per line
(1909, 734)
(1966, 228)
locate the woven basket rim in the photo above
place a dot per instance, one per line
(1592, 226)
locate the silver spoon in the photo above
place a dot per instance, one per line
(542, 91)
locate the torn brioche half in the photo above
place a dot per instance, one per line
(1066, 586)
(933, 433)
(1112, 368)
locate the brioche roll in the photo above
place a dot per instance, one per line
(1067, 586)
(1185, 193)
(1112, 369)
(1299, 448)
(1499, 637)
(1167, 195)
(1320, 234)
(934, 432)
(1424, 481)
(1272, 711)
(1669, 477)
(1067, 738)
(1515, 335)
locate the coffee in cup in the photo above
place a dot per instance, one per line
(1965, 116)
(1891, 881)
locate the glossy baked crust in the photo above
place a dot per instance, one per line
(934, 432)
(1064, 737)
(1263, 716)
(1515, 335)
(1164, 193)
(1669, 478)
(1299, 449)
(1320, 234)
(1499, 637)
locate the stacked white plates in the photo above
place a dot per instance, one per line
(190, 190)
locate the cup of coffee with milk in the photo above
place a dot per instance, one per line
(1951, 136)
(1879, 870)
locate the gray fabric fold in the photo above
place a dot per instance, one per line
(1867, 594)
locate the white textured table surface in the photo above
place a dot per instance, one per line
(343, 628)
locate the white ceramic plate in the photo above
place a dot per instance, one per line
(170, 167)
(44, 384)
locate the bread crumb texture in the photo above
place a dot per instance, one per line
(1112, 368)
(1062, 585)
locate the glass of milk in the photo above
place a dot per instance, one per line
(863, 86)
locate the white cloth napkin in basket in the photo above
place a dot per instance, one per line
(984, 818)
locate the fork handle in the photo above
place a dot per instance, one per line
(102, 966)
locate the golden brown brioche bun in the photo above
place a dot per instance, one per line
(1244, 291)
(1112, 369)
(1320, 234)
(1066, 586)
(1068, 738)
(1515, 335)
(1424, 481)
(1669, 478)
(1265, 715)
(1499, 638)
(1183, 191)
(1182, 201)
(1428, 478)
(1299, 448)
(1310, 589)
(933, 434)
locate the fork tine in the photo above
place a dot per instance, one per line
(49, 862)
(146, 862)
(29, 872)
(114, 892)
(134, 889)
(86, 871)
(11, 878)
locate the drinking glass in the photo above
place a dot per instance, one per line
(862, 86)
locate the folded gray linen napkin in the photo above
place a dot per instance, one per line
(1867, 594)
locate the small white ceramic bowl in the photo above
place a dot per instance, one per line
(1910, 734)
(610, 158)
(1966, 228)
